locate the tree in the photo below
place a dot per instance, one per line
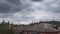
(3, 22)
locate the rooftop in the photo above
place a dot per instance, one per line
(42, 27)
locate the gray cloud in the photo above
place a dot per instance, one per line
(4, 8)
(53, 6)
(28, 10)
(17, 2)
(36, 0)
(8, 15)
(12, 6)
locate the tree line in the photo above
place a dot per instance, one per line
(5, 28)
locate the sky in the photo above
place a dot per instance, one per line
(28, 11)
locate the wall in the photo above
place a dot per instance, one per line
(58, 32)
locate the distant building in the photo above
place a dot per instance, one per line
(41, 28)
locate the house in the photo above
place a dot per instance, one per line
(42, 28)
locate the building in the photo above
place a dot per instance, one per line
(42, 28)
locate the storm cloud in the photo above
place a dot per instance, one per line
(20, 11)
(36, 0)
(17, 2)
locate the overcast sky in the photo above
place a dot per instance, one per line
(27, 11)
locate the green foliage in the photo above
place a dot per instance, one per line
(6, 32)
(4, 28)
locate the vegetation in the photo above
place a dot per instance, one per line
(5, 29)
(51, 22)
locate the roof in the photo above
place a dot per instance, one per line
(42, 27)
(23, 27)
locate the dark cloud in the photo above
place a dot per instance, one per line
(9, 6)
(26, 10)
(4, 8)
(17, 2)
(36, 0)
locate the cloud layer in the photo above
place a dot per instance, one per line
(26, 11)
(36, 0)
